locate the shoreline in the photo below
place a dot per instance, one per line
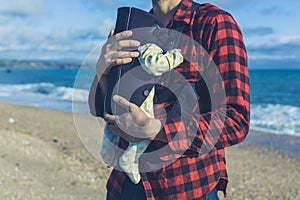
(42, 157)
(253, 130)
(283, 143)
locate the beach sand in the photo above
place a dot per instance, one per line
(42, 157)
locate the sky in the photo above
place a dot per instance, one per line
(69, 29)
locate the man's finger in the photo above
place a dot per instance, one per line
(125, 103)
(110, 118)
(122, 44)
(121, 101)
(121, 61)
(124, 54)
(111, 33)
(128, 43)
(123, 35)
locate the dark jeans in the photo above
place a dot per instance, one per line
(132, 191)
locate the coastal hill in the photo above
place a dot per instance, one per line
(32, 64)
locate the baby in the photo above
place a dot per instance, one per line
(155, 62)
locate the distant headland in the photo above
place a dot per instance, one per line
(37, 64)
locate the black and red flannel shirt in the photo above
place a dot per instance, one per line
(192, 176)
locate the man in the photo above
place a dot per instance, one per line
(192, 175)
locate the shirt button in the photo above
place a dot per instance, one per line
(146, 93)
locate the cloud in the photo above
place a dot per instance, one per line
(74, 33)
(229, 4)
(281, 48)
(278, 52)
(29, 30)
(20, 8)
(56, 43)
(49, 50)
(274, 10)
(4, 19)
(259, 31)
(20, 36)
(107, 25)
(113, 4)
(278, 40)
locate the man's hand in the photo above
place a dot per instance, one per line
(134, 123)
(112, 53)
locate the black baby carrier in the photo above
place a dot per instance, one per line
(135, 85)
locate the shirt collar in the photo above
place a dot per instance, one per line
(183, 12)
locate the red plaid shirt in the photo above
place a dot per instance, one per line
(193, 175)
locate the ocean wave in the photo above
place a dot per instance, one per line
(276, 118)
(49, 90)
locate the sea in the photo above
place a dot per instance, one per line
(275, 94)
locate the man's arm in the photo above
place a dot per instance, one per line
(229, 124)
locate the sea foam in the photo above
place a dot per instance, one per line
(276, 118)
(49, 90)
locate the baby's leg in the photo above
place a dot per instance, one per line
(129, 161)
(109, 148)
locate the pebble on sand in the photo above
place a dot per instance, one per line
(11, 120)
